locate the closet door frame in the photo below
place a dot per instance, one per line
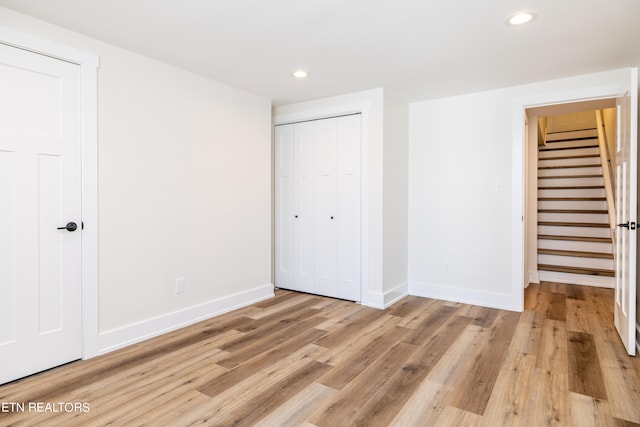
(364, 110)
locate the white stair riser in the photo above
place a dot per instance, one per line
(570, 245)
(574, 231)
(573, 261)
(584, 133)
(573, 217)
(569, 162)
(577, 279)
(593, 142)
(591, 151)
(570, 171)
(570, 182)
(581, 192)
(571, 204)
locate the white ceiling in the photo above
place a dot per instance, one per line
(417, 49)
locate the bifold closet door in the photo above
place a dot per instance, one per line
(318, 206)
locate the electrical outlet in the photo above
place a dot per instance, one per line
(180, 285)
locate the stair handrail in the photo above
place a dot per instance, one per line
(607, 171)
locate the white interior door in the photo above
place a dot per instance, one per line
(349, 207)
(626, 214)
(40, 190)
(318, 211)
(284, 214)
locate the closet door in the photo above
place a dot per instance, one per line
(348, 218)
(318, 207)
(304, 207)
(284, 207)
(326, 206)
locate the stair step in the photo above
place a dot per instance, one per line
(573, 187)
(596, 175)
(599, 232)
(593, 165)
(575, 238)
(569, 153)
(588, 192)
(578, 161)
(580, 254)
(574, 224)
(573, 211)
(572, 134)
(577, 270)
(573, 199)
(568, 144)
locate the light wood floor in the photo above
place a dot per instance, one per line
(300, 359)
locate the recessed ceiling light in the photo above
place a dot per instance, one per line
(300, 74)
(520, 18)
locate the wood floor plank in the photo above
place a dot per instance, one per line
(509, 403)
(588, 411)
(585, 376)
(472, 391)
(526, 338)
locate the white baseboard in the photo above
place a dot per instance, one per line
(534, 277)
(121, 337)
(464, 295)
(577, 279)
(383, 300)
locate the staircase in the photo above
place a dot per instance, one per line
(574, 237)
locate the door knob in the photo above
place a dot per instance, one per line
(71, 226)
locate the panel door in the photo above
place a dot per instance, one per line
(304, 206)
(284, 207)
(626, 214)
(325, 215)
(349, 207)
(40, 266)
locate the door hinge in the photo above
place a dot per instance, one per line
(81, 225)
(632, 225)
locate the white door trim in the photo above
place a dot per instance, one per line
(518, 193)
(364, 110)
(89, 64)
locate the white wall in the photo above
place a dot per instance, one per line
(460, 154)
(395, 197)
(184, 191)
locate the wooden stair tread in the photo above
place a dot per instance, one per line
(581, 254)
(579, 156)
(569, 131)
(573, 187)
(575, 238)
(570, 176)
(574, 211)
(574, 147)
(572, 199)
(574, 224)
(577, 270)
(569, 166)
